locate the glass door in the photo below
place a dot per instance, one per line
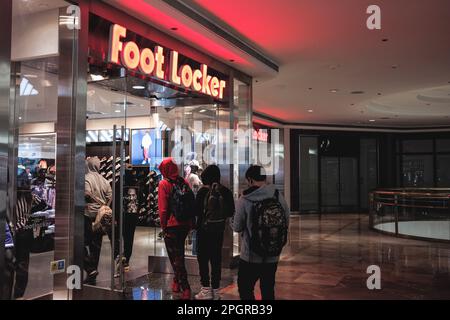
(339, 184)
(330, 182)
(107, 155)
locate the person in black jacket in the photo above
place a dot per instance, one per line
(214, 204)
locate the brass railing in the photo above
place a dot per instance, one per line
(399, 211)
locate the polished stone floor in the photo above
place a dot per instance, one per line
(327, 258)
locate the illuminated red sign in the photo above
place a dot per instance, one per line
(152, 63)
(261, 135)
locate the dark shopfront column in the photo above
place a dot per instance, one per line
(5, 84)
(71, 141)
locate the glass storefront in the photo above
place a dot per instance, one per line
(128, 119)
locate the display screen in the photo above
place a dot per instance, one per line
(146, 147)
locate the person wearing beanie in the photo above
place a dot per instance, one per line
(174, 231)
(214, 204)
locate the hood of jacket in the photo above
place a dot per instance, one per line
(262, 193)
(93, 165)
(168, 169)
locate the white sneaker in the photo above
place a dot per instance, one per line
(216, 294)
(204, 294)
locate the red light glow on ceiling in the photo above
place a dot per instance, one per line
(166, 23)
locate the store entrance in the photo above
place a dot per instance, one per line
(129, 127)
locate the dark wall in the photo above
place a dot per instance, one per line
(388, 156)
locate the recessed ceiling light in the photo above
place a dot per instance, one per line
(310, 110)
(188, 112)
(334, 90)
(20, 118)
(357, 92)
(203, 110)
(372, 120)
(117, 111)
(138, 87)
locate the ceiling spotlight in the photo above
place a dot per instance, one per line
(372, 120)
(188, 112)
(20, 118)
(138, 87)
(334, 90)
(310, 110)
(117, 111)
(203, 110)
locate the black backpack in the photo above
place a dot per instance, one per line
(269, 227)
(182, 200)
(214, 215)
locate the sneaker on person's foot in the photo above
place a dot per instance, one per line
(216, 294)
(91, 278)
(205, 293)
(186, 295)
(175, 287)
(117, 269)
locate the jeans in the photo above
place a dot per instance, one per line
(23, 243)
(174, 238)
(209, 246)
(249, 273)
(93, 245)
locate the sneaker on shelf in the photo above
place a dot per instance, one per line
(186, 295)
(216, 294)
(206, 293)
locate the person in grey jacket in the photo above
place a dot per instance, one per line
(253, 267)
(97, 192)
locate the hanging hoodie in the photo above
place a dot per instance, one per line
(169, 171)
(95, 186)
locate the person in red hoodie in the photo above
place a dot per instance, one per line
(174, 231)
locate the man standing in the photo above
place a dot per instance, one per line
(98, 193)
(214, 205)
(262, 218)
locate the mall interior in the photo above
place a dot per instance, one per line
(350, 121)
